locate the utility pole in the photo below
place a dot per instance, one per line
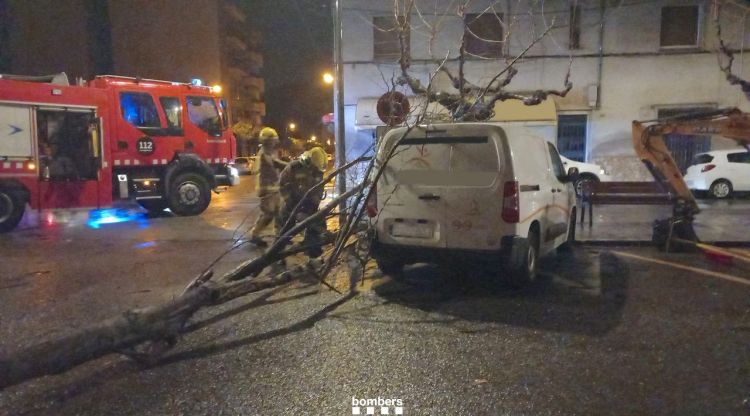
(338, 102)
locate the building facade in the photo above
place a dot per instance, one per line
(631, 60)
(168, 39)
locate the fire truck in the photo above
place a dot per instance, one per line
(163, 144)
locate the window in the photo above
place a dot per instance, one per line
(139, 110)
(571, 136)
(203, 113)
(484, 34)
(173, 112)
(684, 148)
(386, 42)
(679, 26)
(574, 28)
(68, 146)
(742, 157)
(702, 159)
(224, 113)
(557, 166)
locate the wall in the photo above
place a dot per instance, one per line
(180, 48)
(41, 41)
(638, 77)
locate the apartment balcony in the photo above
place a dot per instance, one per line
(246, 105)
(258, 108)
(233, 13)
(235, 44)
(254, 82)
(248, 62)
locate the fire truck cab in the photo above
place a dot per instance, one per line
(163, 144)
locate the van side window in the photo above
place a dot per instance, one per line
(138, 109)
(173, 110)
(557, 166)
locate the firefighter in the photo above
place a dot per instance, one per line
(267, 186)
(296, 179)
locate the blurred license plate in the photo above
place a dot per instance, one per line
(412, 230)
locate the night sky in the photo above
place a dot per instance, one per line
(297, 49)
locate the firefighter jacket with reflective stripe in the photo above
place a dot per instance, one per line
(268, 174)
(296, 179)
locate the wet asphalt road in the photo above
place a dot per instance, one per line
(610, 330)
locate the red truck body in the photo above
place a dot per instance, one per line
(164, 144)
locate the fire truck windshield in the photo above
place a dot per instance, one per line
(203, 113)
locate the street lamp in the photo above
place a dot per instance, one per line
(313, 138)
(289, 129)
(328, 78)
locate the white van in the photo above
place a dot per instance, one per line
(467, 188)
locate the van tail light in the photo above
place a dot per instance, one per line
(372, 203)
(708, 167)
(511, 202)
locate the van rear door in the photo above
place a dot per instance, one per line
(473, 195)
(411, 193)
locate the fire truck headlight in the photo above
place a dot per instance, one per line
(216, 89)
(31, 166)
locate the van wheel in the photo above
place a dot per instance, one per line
(721, 189)
(153, 206)
(12, 207)
(522, 260)
(391, 267)
(189, 194)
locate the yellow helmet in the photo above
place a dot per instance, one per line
(268, 135)
(318, 157)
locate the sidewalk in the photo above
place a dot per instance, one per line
(718, 221)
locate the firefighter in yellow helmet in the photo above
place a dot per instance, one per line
(267, 186)
(297, 179)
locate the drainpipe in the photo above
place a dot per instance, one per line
(601, 55)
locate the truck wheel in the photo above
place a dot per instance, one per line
(189, 194)
(12, 207)
(153, 205)
(721, 189)
(522, 260)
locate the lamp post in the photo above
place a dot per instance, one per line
(328, 78)
(338, 103)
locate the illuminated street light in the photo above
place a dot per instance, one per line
(328, 78)
(292, 126)
(313, 138)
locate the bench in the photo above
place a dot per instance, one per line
(621, 193)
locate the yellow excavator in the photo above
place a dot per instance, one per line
(672, 233)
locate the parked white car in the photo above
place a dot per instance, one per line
(586, 172)
(455, 190)
(721, 172)
(245, 165)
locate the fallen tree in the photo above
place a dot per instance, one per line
(157, 326)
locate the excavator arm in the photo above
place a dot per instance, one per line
(649, 145)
